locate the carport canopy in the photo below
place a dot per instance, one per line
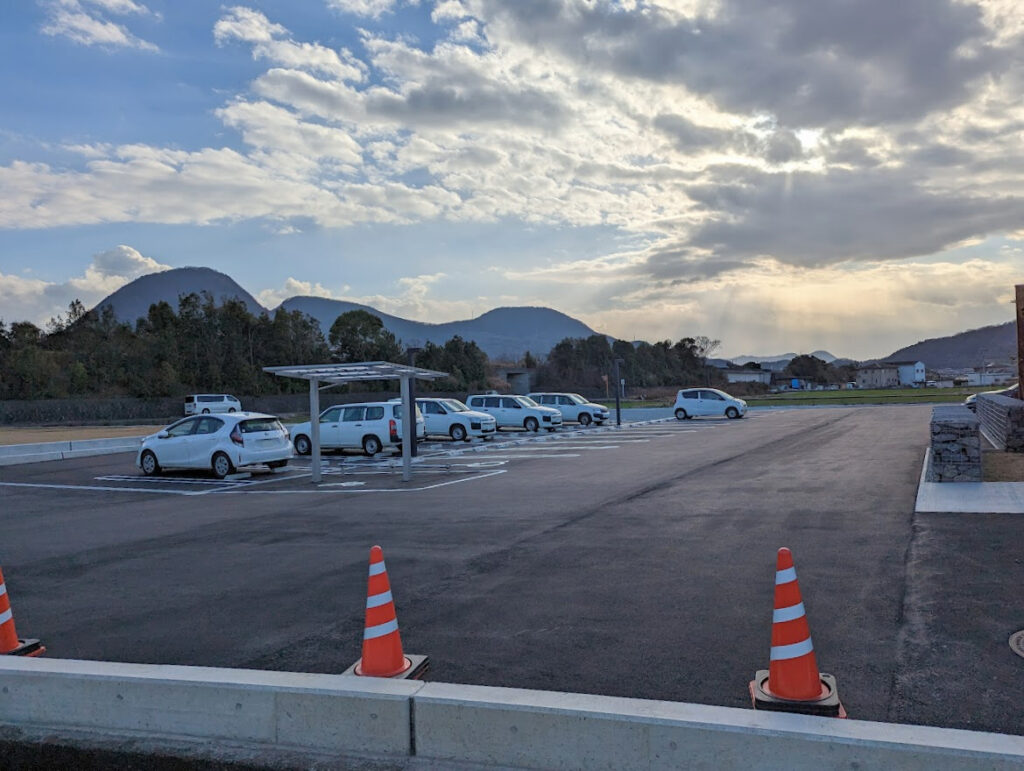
(321, 376)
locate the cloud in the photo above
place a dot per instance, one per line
(817, 64)
(372, 8)
(36, 300)
(269, 42)
(83, 22)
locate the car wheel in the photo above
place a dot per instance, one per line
(231, 409)
(585, 419)
(206, 411)
(278, 463)
(732, 413)
(458, 432)
(302, 445)
(531, 424)
(221, 465)
(371, 445)
(149, 463)
(681, 414)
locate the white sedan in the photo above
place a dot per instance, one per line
(219, 443)
(450, 417)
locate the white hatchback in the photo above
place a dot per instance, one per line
(220, 443)
(452, 418)
(573, 407)
(369, 426)
(695, 402)
(516, 412)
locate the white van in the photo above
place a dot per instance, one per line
(369, 426)
(204, 404)
(516, 411)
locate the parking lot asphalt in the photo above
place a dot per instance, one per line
(637, 562)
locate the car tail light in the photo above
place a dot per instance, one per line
(392, 429)
(236, 436)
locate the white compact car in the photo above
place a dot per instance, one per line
(369, 426)
(573, 407)
(516, 412)
(204, 404)
(221, 444)
(453, 418)
(695, 402)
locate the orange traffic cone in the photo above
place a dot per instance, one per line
(792, 683)
(10, 645)
(382, 644)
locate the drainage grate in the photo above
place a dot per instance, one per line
(1017, 643)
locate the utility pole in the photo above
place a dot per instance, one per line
(411, 417)
(1020, 335)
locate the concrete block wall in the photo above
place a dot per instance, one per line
(1002, 420)
(14, 454)
(956, 445)
(257, 717)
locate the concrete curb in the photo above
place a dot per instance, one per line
(967, 497)
(14, 454)
(256, 715)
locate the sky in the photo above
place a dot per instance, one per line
(782, 175)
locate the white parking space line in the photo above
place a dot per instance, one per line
(333, 491)
(103, 488)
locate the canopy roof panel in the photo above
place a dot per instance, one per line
(354, 371)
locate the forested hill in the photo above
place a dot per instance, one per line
(502, 333)
(972, 348)
(131, 302)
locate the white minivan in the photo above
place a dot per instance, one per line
(204, 404)
(516, 411)
(369, 426)
(695, 402)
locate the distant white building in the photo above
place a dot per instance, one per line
(748, 376)
(910, 372)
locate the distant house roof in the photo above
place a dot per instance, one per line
(903, 363)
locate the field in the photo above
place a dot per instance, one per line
(835, 398)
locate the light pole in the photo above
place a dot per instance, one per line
(411, 417)
(618, 393)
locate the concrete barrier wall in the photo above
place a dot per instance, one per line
(235, 713)
(14, 454)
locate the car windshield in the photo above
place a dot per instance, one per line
(455, 405)
(577, 399)
(527, 401)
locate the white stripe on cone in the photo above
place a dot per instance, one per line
(794, 651)
(376, 568)
(6, 616)
(785, 576)
(380, 630)
(376, 600)
(792, 613)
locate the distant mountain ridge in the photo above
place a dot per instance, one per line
(973, 348)
(502, 333)
(823, 355)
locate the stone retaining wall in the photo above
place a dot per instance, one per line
(956, 445)
(1002, 421)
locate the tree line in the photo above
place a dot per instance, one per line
(202, 346)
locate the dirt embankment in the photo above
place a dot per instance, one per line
(29, 435)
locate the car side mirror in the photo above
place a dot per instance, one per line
(163, 435)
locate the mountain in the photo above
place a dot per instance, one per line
(823, 355)
(503, 333)
(973, 348)
(132, 301)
